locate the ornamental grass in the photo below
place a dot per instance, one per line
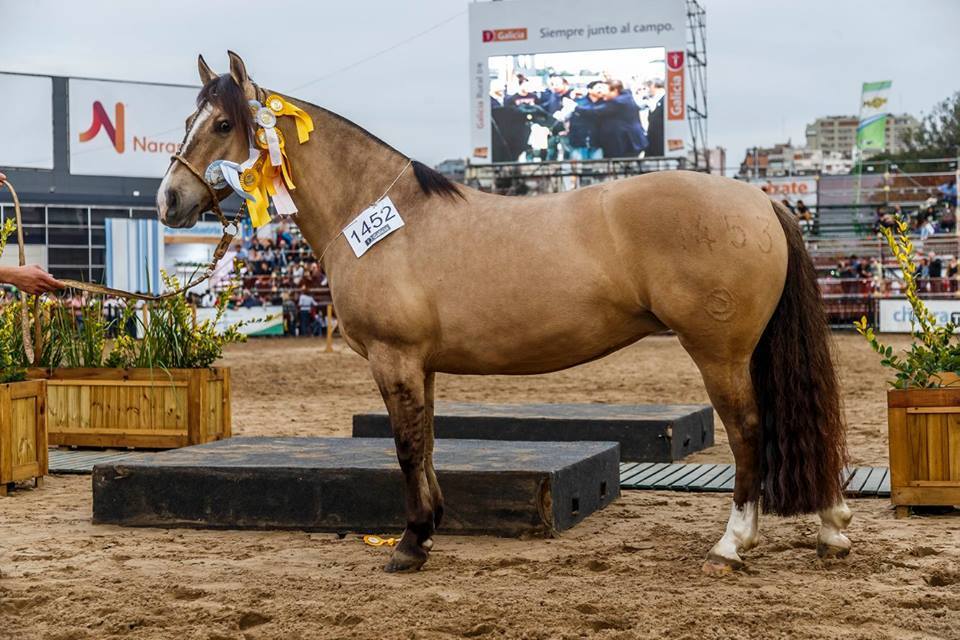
(72, 337)
(935, 349)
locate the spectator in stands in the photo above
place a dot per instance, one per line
(282, 249)
(208, 299)
(306, 305)
(284, 235)
(926, 229)
(948, 221)
(936, 265)
(289, 315)
(953, 274)
(789, 205)
(885, 219)
(249, 300)
(297, 273)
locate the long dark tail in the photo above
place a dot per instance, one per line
(803, 448)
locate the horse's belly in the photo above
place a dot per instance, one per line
(550, 344)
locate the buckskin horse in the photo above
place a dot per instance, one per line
(480, 284)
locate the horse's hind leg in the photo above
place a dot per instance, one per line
(831, 543)
(731, 390)
(402, 384)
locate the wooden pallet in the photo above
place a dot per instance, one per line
(82, 461)
(862, 482)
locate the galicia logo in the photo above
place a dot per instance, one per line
(115, 129)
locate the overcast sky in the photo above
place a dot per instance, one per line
(773, 66)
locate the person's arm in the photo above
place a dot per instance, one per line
(30, 278)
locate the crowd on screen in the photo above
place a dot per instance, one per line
(602, 118)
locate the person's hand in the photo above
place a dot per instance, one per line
(32, 279)
(3, 179)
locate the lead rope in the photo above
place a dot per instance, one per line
(382, 196)
(230, 230)
(24, 314)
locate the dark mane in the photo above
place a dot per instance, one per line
(433, 182)
(228, 96)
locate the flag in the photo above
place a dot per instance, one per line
(872, 128)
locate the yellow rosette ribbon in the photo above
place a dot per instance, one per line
(270, 177)
(283, 108)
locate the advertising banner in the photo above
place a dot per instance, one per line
(126, 129)
(896, 314)
(793, 188)
(263, 321)
(574, 79)
(26, 121)
(872, 129)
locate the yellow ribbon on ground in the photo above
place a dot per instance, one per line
(377, 541)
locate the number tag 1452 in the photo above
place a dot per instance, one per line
(373, 224)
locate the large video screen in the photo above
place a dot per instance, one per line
(583, 105)
(562, 80)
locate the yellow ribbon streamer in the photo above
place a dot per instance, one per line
(258, 179)
(252, 181)
(283, 108)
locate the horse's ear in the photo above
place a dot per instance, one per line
(238, 71)
(206, 73)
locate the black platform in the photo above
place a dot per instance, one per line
(355, 485)
(646, 433)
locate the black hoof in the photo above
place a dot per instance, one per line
(825, 550)
(404, 562)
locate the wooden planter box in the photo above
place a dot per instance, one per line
(924, 447)
(136, 408)
(23, 432)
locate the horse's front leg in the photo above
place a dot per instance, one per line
(402, 385)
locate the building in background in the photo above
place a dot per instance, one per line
(838, 134)
(713, 160)
(778, 160)
(453, 168)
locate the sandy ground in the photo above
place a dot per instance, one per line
(630, 571)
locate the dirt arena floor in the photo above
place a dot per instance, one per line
(630, 571)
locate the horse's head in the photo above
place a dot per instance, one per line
(219, 129)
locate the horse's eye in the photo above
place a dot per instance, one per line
(223, 126)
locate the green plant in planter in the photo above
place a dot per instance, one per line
(171, 340)
(77, 337)
(935, 349)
